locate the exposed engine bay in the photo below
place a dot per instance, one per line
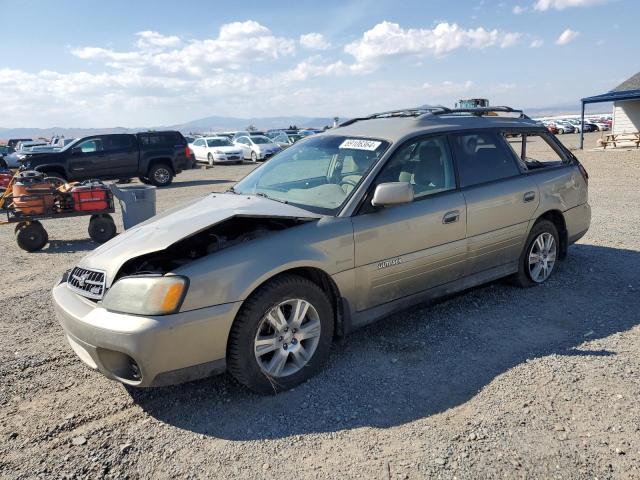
(223, 235)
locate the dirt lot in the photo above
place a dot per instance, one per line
(496, 382)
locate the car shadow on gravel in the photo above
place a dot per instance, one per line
(425, 360)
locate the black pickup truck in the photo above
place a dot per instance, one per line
(154, 157)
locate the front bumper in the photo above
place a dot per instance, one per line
(228, 158)
(145, 351)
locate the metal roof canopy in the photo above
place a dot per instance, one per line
(606, 97)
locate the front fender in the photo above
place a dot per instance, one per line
(231, 275)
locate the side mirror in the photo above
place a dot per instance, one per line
(76, 151)
(392, 193)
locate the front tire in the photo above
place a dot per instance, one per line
(254, 157)
(281, 336)
(210, 160)
(539, 259)
(160, 175)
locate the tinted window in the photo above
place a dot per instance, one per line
(534, 150)
(117, 142)
(218, 142)
(199, 142)
(426, 164)
(162, 139)
(481, 158)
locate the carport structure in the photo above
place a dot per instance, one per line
(626, 105)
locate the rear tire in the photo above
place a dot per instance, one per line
(31, 236)
(102, 228)
(302, 357)
(160, 175)
(528, 265)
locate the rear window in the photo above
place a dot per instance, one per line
(482, 157)
(162, 139)
(535, 150)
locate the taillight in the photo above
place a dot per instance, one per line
(584, 173)
(187, 151)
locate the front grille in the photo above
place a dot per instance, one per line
(88, 283)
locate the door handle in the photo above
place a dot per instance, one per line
(529, 196)
(451, 217)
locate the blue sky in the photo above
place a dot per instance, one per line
(144, 63)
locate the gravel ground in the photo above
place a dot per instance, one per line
(495, 382)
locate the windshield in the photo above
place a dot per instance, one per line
(219, 142)
(317, 174)
(260, 139)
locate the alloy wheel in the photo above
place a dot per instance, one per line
(162, 175)
(542, 257)
(287, 337)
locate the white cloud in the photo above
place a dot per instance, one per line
(314, 41)
(543, 5)
(517, 10)
(238, 44)
(536, 43)
(567, 36)
(387, 40)
(152, 40)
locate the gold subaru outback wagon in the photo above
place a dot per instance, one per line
(335, 232)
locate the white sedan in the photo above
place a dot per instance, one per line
(216, 150)
(257, 147)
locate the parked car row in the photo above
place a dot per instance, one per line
(237, 146)
(561, 126)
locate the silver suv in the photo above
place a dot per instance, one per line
(339, 230)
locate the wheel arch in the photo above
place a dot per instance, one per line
(323, 280)
(557, 218)
(158, 160)
(52, 169)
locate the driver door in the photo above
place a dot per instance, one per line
(87, 159)
(410, 248)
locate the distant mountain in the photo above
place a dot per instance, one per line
(208, 124)
(217, 124)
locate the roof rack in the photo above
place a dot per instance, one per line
(404, 112)
(478, 111)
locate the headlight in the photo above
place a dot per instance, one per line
(218, 152)
(146, 295)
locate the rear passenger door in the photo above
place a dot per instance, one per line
(120, 156)
(406, 249)
(199, 150)
(500, 199)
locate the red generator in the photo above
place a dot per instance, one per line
(92, 196)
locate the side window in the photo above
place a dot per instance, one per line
(535, 150)
(117, 142)
(90, 146)
(426, 164)
(199, 143)
(481, 158)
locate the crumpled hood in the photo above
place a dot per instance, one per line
(171, 226)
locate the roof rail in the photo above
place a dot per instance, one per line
(404, 112)
(478, 111)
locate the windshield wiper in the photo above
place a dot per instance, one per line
(231, 190)
(264, 195)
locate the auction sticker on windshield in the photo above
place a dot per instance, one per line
(358, 144)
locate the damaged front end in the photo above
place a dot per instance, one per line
(233, 231)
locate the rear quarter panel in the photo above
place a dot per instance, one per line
(560, 189)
